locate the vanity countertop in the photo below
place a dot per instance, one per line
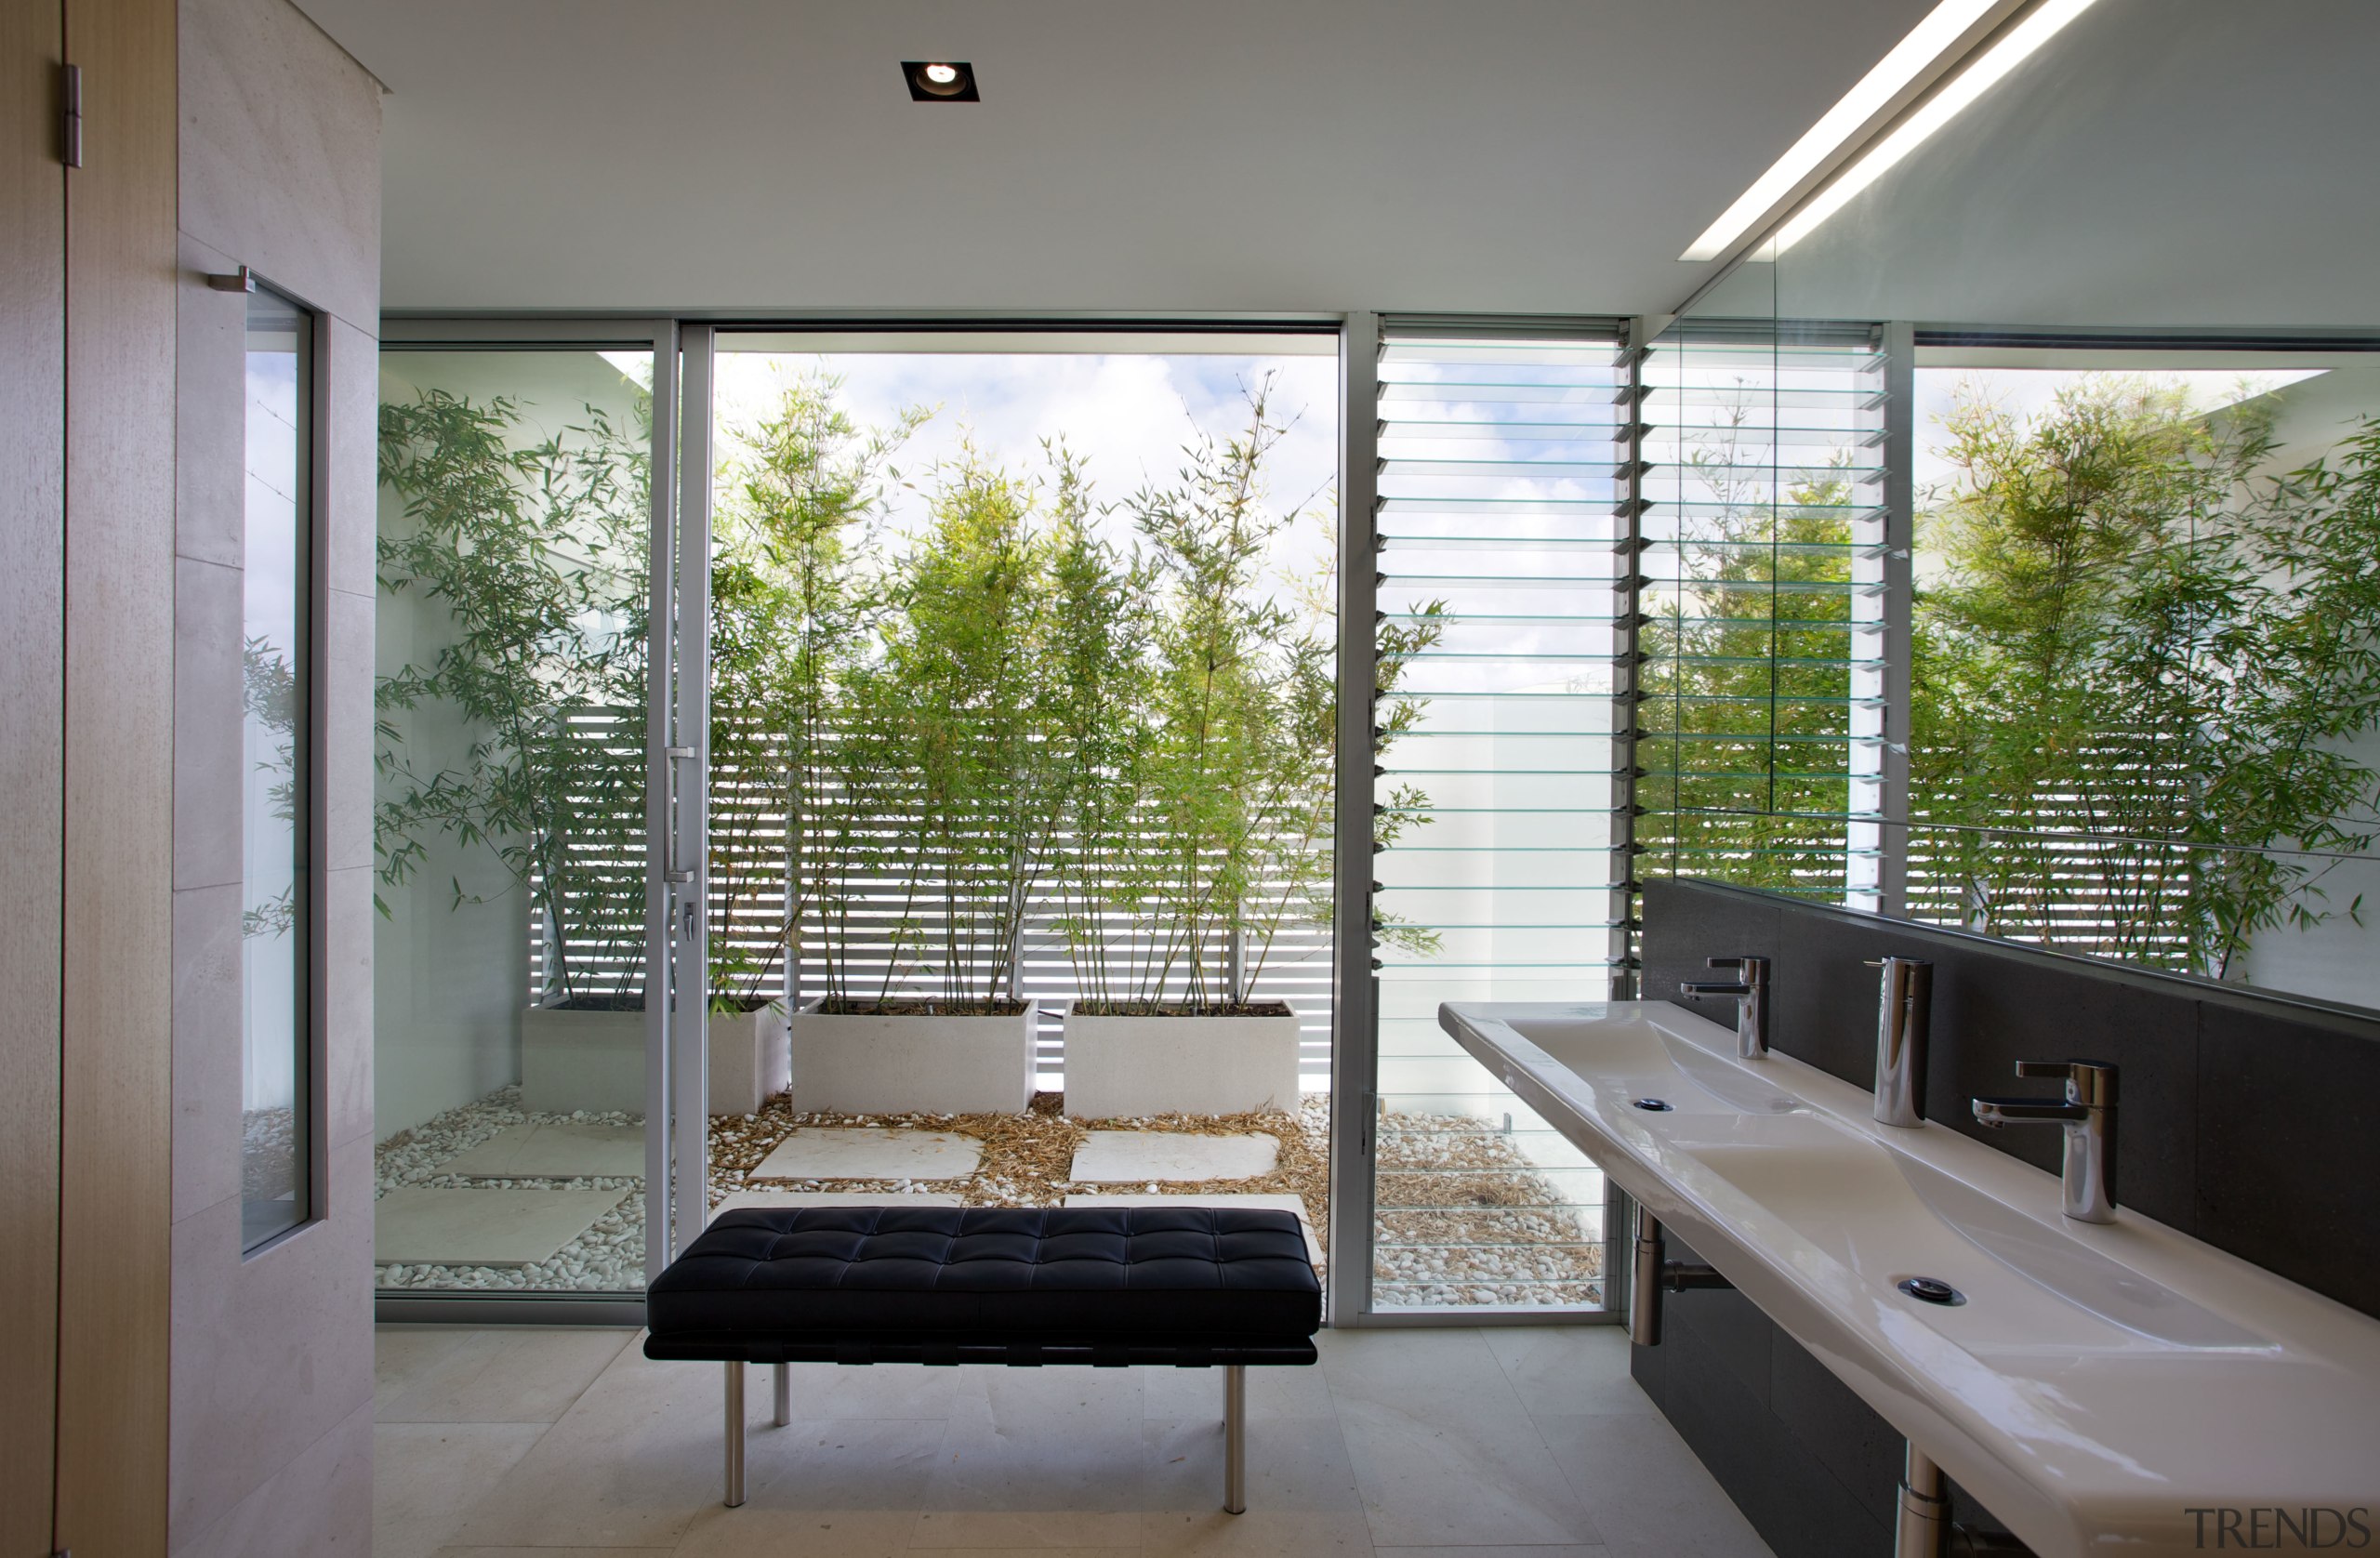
(2096, 1387)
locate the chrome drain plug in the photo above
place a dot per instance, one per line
(1930, 1290)
(1658, 1105)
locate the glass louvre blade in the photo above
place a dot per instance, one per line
(1502, 781)
(1760, 693)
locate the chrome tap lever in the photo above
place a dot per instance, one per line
(1750, 989)
(2088, 1114)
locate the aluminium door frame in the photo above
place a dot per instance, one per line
(673, 1009)
(1355, 1112)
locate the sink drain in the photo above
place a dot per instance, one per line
(1658, 1105)
(1931, 1289)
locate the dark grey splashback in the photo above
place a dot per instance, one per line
(2250, 1121)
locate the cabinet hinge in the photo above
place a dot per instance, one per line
(70, 150)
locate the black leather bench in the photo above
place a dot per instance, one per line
(1189, 1287)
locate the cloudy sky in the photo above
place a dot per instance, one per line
(1127, 415)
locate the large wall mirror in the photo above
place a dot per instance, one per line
(2013, 541)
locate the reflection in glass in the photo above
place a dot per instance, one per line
(1758, 755)
(276, 672)
(510, 820)
(2147, 674)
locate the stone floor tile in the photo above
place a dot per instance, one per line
(1295, 1465)
(1443, 1451)
(426, 1476)
(1398, 1367)
(1262, 1532)
(833, 1489)
(833, 1199)
(853, 1153)
(417, 1226)
(554, 1150)
(631, 1463)
(1568, 1370)
(1039, 1458)
(1648, 1492)
(501, 1374)
(1190, 1394)
(1125, 1157)
(403, 1354)
(1432, 1474)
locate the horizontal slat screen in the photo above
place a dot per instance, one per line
(750, 855)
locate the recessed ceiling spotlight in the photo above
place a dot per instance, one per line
(940, 81)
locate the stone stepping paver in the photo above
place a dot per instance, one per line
(1269, 1203)
(834, 1198)
(554, 1150)
(852, 1152)
(420, 1226)
(1129, 1156)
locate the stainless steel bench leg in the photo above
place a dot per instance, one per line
(785, 1396)
(735, 1434)
(1235, 1438)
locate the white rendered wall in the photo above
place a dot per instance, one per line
(452, 979)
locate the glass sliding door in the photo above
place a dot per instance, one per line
(1019, 761)
(524, 543)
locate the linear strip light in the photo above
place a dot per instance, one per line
(1933, 114)
(1943, 26)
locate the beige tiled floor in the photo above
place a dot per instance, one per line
(1453, 1444)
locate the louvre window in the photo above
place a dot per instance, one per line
(1503, 628)
(1761, 542)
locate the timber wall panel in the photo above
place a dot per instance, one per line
(32, 563)
(116, 996)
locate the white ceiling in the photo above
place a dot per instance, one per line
(1237, 156)
(2162, 163)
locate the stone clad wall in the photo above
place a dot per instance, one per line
(270, 1416)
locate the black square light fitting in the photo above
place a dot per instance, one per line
(940, 81)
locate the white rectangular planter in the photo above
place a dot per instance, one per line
(751, 1059)
(870, 1064)
(1123, 1066)
(595, 1060)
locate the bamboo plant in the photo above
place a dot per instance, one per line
(533, 547)
(2140, 669)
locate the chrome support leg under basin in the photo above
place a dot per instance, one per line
(1922, 1526)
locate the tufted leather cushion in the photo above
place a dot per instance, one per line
(937, 1284)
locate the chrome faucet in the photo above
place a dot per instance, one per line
(2088, 1114)
(1749, 988)
(1904, 1019)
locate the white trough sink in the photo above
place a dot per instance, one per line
(2097, 1385)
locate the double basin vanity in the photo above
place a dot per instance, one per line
(2101, 1386)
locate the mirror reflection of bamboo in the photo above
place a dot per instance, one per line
(2139, 674)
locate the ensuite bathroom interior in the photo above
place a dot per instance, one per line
(1562, 781)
